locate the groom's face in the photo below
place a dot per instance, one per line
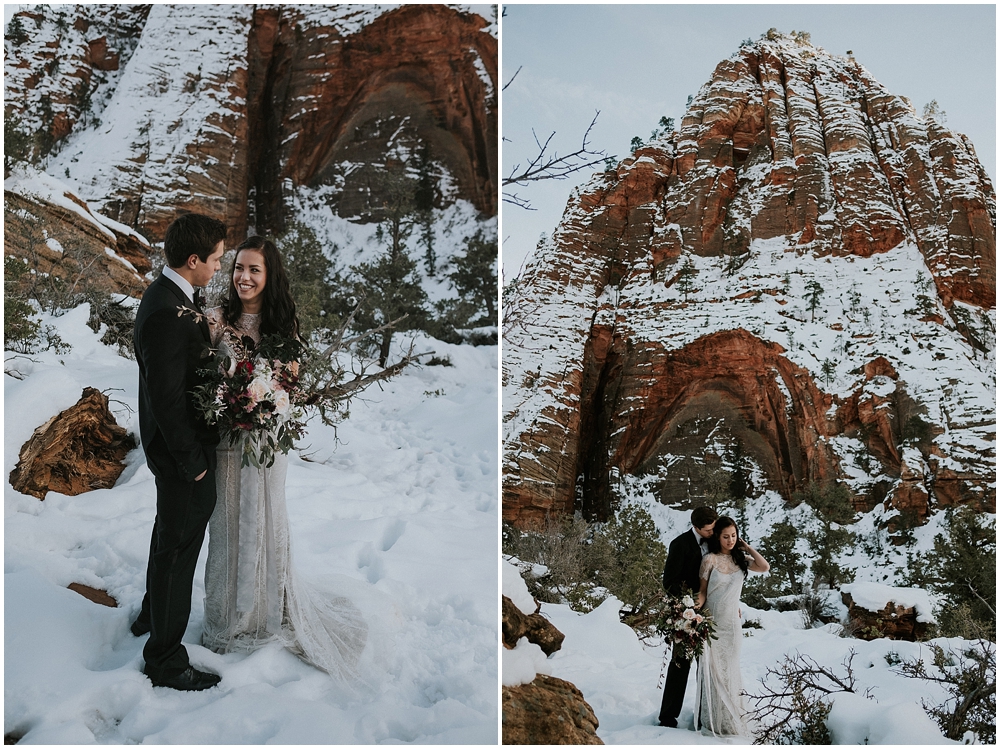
(706, 531)
(203, 272)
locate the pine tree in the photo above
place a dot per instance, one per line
(474, 276)
(813, 292)
(16, 32)
(787, 565)
(962, 568)
(424, 198)
(310, 275)
(833, 511)
(394, 194)
(685, 277)
(391, 290)
(829, 370)
(16, 143)
(20, 331)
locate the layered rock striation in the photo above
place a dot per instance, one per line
(227, 109)
(805, 270)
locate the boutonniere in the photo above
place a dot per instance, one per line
(182, 310)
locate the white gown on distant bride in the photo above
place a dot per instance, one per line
(252, 596)
(719, 682)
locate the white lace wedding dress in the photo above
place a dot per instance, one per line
(252, 596)
(720, 702)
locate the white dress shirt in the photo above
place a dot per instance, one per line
(182, 282)
(702, 542)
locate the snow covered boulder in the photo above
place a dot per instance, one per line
(883, 611)
(547, 711)
(58, 233)
(79, 449)
(535, 627)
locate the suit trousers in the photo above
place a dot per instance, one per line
(183, 509)
(673, 691)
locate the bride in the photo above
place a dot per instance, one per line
(723, 570)
(252, 596)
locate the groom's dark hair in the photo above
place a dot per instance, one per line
(702, 516)
(192, 234)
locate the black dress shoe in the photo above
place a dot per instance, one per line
(188, 680)
(138, 629)
(670, 724)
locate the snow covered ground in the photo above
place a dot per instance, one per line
(401, 516)
(618, 676)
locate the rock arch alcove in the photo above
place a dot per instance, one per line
(743, 386)
(421, 74)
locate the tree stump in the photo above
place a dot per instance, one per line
(538, 629)
(76, 451)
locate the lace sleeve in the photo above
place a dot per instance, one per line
(215, 325)
(707, 563)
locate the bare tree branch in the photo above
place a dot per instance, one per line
(504, 87)
(546, 164)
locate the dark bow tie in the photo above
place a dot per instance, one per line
(199, 299)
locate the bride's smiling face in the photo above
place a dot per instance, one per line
(249, 276)
(727, 539)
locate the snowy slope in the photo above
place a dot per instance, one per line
(400, 516)
(618, 676)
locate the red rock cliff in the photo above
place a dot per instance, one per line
(757, 275)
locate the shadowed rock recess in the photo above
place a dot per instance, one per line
(804, 273)
(228, 109)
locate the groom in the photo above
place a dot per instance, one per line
(171, 337)
(680, 573)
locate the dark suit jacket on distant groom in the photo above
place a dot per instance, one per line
(683, 564)
(679, 573)
(169, 348)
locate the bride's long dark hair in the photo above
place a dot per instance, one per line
(715, 544)
(278, 308)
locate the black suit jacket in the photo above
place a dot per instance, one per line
(683, 564)
(169, 349)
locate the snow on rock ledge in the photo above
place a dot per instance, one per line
(884, 611)
(875, 596)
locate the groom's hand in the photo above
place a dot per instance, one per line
(200, 476)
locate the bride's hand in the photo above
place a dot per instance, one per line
(701, 601)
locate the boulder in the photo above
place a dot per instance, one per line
(547, 711)
(538, 629)
(80, 449)
(894, 622)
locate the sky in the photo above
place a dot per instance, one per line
(636, 63)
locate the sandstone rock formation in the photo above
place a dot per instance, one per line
(55, 233)
(80, 449)
(894, 622)
(547, 711)
(228, 109)
(61, 61)
(805, 271)
(538, 629)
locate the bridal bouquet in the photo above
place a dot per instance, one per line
(684, 628)
(257, 394)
